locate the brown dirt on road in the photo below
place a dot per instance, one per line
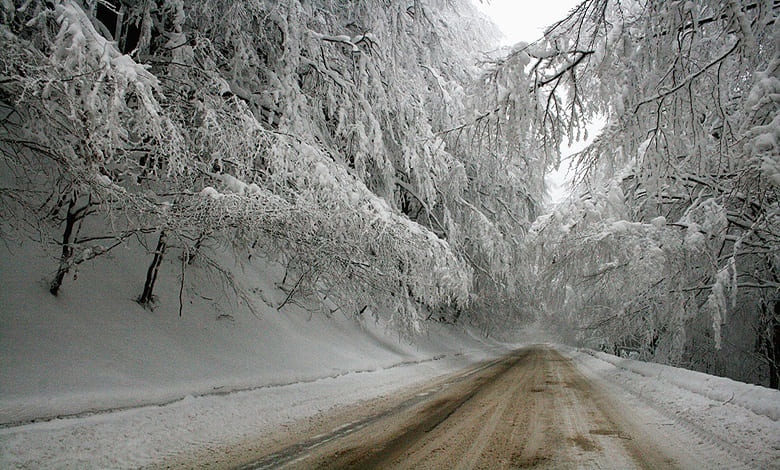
(531, 410)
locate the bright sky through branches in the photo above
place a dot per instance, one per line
(523, 20)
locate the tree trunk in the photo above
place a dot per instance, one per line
(71, 218)
(768, 341)
(774, 373)
(151, 274)
(191, 254)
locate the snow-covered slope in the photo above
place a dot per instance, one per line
(227, 376)
(724, 415)
(94, 348)
(762, 401)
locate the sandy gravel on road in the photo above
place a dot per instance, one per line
(531, 409)
(538, 412)
(534, 409)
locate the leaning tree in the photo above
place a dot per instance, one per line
(678, 193)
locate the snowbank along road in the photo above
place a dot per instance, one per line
(531, 409)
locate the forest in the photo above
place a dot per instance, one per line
(392, 159)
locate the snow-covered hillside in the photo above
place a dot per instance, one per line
(245, 213)
(94, 347)
(93, 365)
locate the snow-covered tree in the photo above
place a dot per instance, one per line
(325, 133)
(75, 110)
(690, 154)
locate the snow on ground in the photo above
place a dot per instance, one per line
(760, 400)
(735, 417)
(93, 347)
(91, 379)
(149, 435)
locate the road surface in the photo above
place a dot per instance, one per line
(531, 409)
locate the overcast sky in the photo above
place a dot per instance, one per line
(525, 20)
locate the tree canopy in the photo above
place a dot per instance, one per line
(319, 131)
(391, 162)
(669, 245)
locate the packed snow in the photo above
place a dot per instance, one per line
(90, 379)
(725, 416)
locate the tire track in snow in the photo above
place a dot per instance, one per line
(538, 412)
(694, 438)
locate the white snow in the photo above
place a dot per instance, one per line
(694, 238)
(720, 414)
(145, 436)
(103, 179)
(658, 222)
(92, 380)
(77, 35)
(643, 148)
(212, 377)
(760, 400)
(234, 184)
(209, 191)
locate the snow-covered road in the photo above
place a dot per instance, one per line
(540, 407)
(202, 431)
(532, 409)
